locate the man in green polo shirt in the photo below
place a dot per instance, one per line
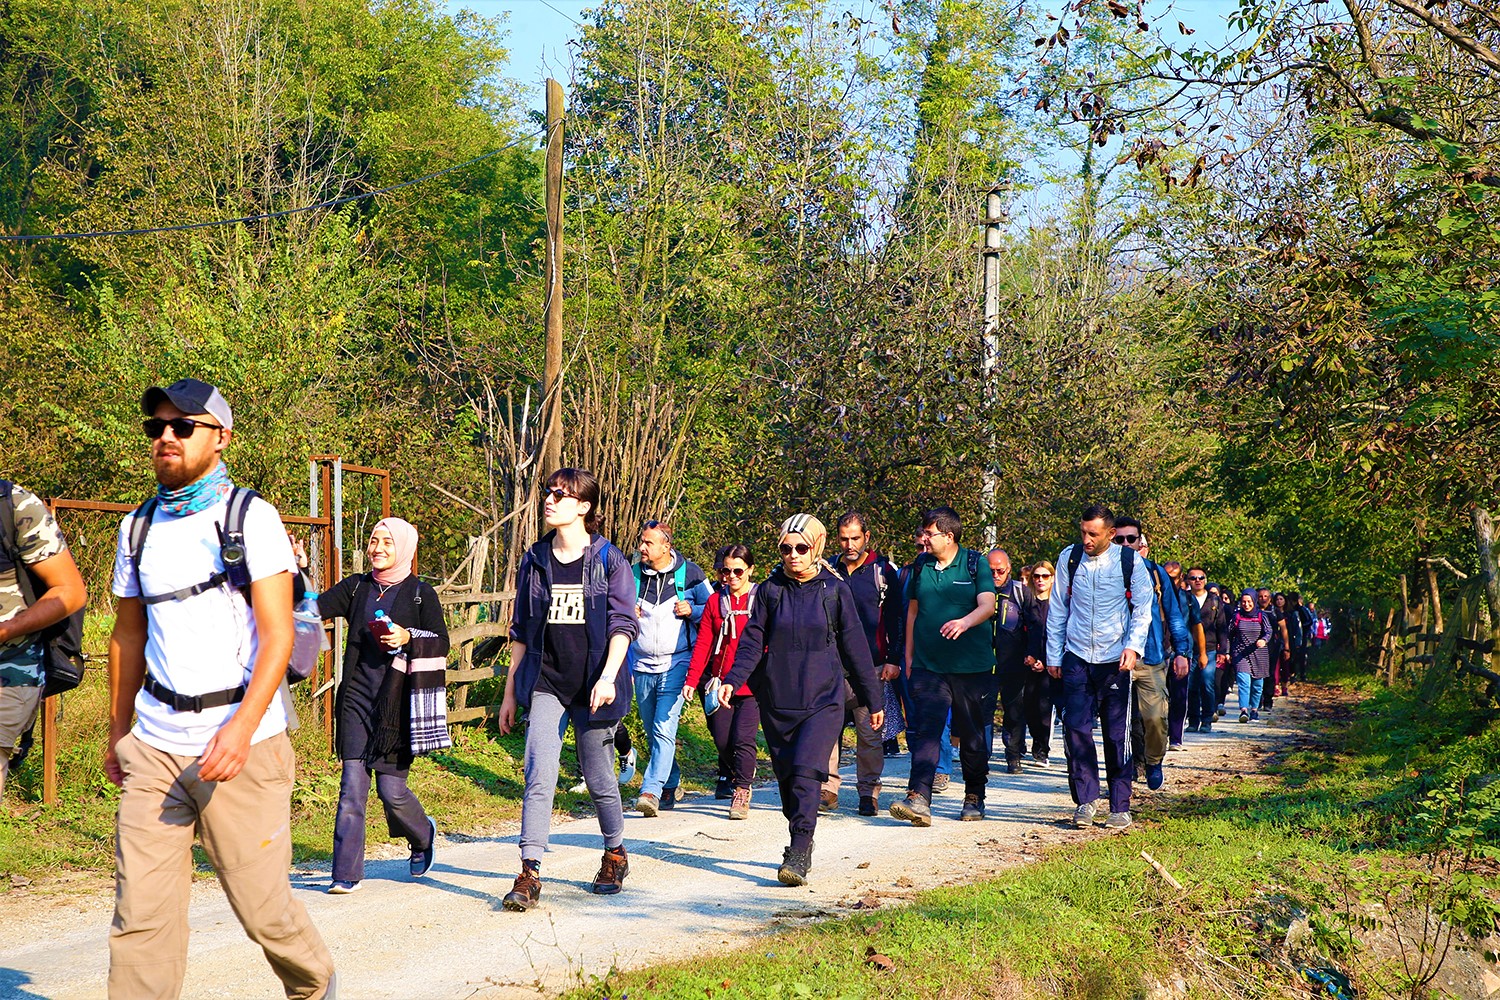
(950, 595)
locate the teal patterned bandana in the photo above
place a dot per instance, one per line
(200, 494)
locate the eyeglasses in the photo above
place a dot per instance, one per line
(1127, 539)
(727, 571)
(1041, 576)
(800, 548)
(182, 427)
(557, 494)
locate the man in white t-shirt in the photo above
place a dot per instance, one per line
(203, 631)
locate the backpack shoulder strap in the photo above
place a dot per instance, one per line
(240, 499)
(140, 525)
(679, 580)
(1127, 570)
(635, 571)
(971, 560)
(1075, 559)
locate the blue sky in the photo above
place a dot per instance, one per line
(541, 29)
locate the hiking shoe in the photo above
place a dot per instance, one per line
(1013, 766)
(739, 804)
(612, 872)
(828, 801)
(1083, 816)
(892, 747)
(939, 783)
(1154, 776)
(795, 864)
(1255, 714)
(669, 797)
(1244, 716)
(723, 789)
(627, 767)
(1041, 760)
(1207, 727)
(869, 805)
(913, 808)
(342, 888)
(647, 804)
(421, 859)
(973, 809)
(1118, 820)
(1174, 746)
(526, 890)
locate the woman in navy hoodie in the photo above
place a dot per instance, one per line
(803, 638)
(573, 623)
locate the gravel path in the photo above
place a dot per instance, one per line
(698, 883)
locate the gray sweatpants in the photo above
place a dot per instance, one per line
(546, 723)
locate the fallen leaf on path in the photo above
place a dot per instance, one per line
(879, 961)
(903, 882)
(863, 864)
(19, 881)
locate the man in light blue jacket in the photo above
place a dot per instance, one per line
(671, 592)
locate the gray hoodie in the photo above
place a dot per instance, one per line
(665, 640)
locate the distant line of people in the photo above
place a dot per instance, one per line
(206, 581)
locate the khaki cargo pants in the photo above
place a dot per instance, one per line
(245, 826)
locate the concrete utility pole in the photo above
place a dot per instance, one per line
(993, 217)
(552, 376)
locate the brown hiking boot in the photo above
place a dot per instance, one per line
(939, 783)
(527, 889)
(828, 801)
(612, 872)
(913, 808)
(647, 804)
(739, 806)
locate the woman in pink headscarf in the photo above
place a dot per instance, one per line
(395, 623)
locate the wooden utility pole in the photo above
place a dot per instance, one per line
(552, 378)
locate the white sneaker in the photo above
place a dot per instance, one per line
(343, 888)
(627, 769)
(581, 787)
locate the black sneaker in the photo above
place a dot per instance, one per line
(869, 805)
(973, 809)
(795, 864)
(527, 889)
(723, 789)
(892, 747)
(669, 797)
(421, 859)
(913, 808)
(1012, 766)
(612, 872)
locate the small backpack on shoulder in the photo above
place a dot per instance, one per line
(62, 642)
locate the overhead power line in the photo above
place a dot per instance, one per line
(266, 216)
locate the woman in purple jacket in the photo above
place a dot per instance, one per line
(1249, 655)
(803, 639)
(573, 623)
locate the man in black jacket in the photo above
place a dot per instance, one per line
(1203, 698)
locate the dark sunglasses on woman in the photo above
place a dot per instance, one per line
(800, 548)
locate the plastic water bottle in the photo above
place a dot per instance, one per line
(308, 639)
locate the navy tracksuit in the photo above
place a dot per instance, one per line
(802, 641)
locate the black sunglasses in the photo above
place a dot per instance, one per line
(727, 571)
(557, 494)
(1041, 576)
(1196, 576)
(1127, 539)
(182, 427)
(799, 548)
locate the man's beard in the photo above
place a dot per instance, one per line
(176, 476)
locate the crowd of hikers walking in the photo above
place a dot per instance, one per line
(214, 618)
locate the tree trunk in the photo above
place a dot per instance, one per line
(1484, 539)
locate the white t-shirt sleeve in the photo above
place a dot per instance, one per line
(268, 551)
(125, 583)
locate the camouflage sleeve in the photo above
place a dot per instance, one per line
(38, 536)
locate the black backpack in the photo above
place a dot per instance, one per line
(62, 642)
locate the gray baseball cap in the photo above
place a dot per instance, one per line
(190, 396)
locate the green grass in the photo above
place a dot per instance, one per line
(1369, 813)
(474, 788)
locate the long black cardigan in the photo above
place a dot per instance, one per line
(414, 606)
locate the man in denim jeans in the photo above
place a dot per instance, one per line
(670, 595)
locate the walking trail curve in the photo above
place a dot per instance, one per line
(698, 883)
